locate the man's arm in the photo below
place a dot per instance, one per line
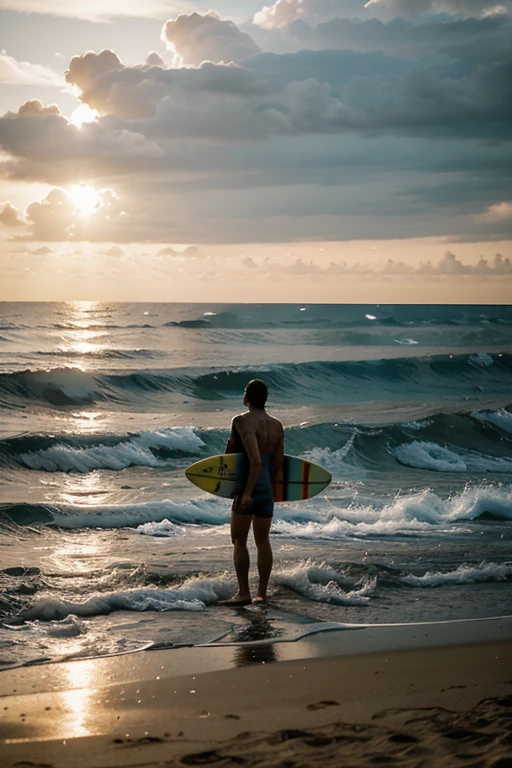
(231, 445)
(250, 442)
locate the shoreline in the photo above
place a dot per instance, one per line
(142, 709)
(311, 640)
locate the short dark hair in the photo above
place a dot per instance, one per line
(256, 393)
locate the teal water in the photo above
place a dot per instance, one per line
(104, 545)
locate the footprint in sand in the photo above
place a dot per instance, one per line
(322, 705)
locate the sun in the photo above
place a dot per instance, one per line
(83, 114)
(86, 199)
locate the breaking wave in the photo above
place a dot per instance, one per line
(463, 574)
(480, 442)
(416, 513)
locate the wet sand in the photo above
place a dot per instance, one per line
(441, 703)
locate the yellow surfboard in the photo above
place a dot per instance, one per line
(225, 475)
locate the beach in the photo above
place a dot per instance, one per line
(387, 626)
(431, 694)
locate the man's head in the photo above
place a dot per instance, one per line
(256, 393)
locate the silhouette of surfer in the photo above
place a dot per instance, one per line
(261, 437)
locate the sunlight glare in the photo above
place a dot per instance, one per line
(83, 114)
(85, 199)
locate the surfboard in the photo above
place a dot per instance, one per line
(225, 476)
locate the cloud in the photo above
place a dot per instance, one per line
(115, 251)
(198, 38)
(99, 10)
(44, 145)
(153, 59)
(462, 39)
(448, 266)
(10, 216)
(89, 68)
(13, 72)
(279, 15)
(284, 13)
(464, 8)
(408, 140)
(498, 212)
(326, 91)
(61, 216)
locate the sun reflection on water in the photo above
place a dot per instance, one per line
(82, 338)
(85, 489)
(75, 555)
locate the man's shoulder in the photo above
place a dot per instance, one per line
(242, 420)
(276, 421)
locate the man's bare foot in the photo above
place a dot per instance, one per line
(237, 601)
(259, 600)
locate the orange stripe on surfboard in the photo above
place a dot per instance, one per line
(305, 479)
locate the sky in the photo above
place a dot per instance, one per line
(306, 150)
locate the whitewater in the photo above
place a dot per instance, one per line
(104, 546)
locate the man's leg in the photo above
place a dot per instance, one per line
(261, 529)
(240, 525)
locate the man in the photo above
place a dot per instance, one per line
(261, 438)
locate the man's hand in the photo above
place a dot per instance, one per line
(245, 502)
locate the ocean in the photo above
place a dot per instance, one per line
(105, 547)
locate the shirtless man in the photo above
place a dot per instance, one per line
(261, 438)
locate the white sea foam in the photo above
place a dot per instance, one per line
(206, 511)
(427, 455)
(193, 595)
(464, 574)
(70, 626)
(314, 519)
(133, 452)
(481, 359)
(500, 418)
(472, 503)
(163, 529)
(334, 460)
(420, 513)
(405, 514)
(419, 424)
(322, 583)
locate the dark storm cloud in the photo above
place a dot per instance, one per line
(325, 91)
(412, 38)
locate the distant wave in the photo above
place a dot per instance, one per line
(411, 514)
(70, 326)
(104, 354)
(348, 317)
(312, 382)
